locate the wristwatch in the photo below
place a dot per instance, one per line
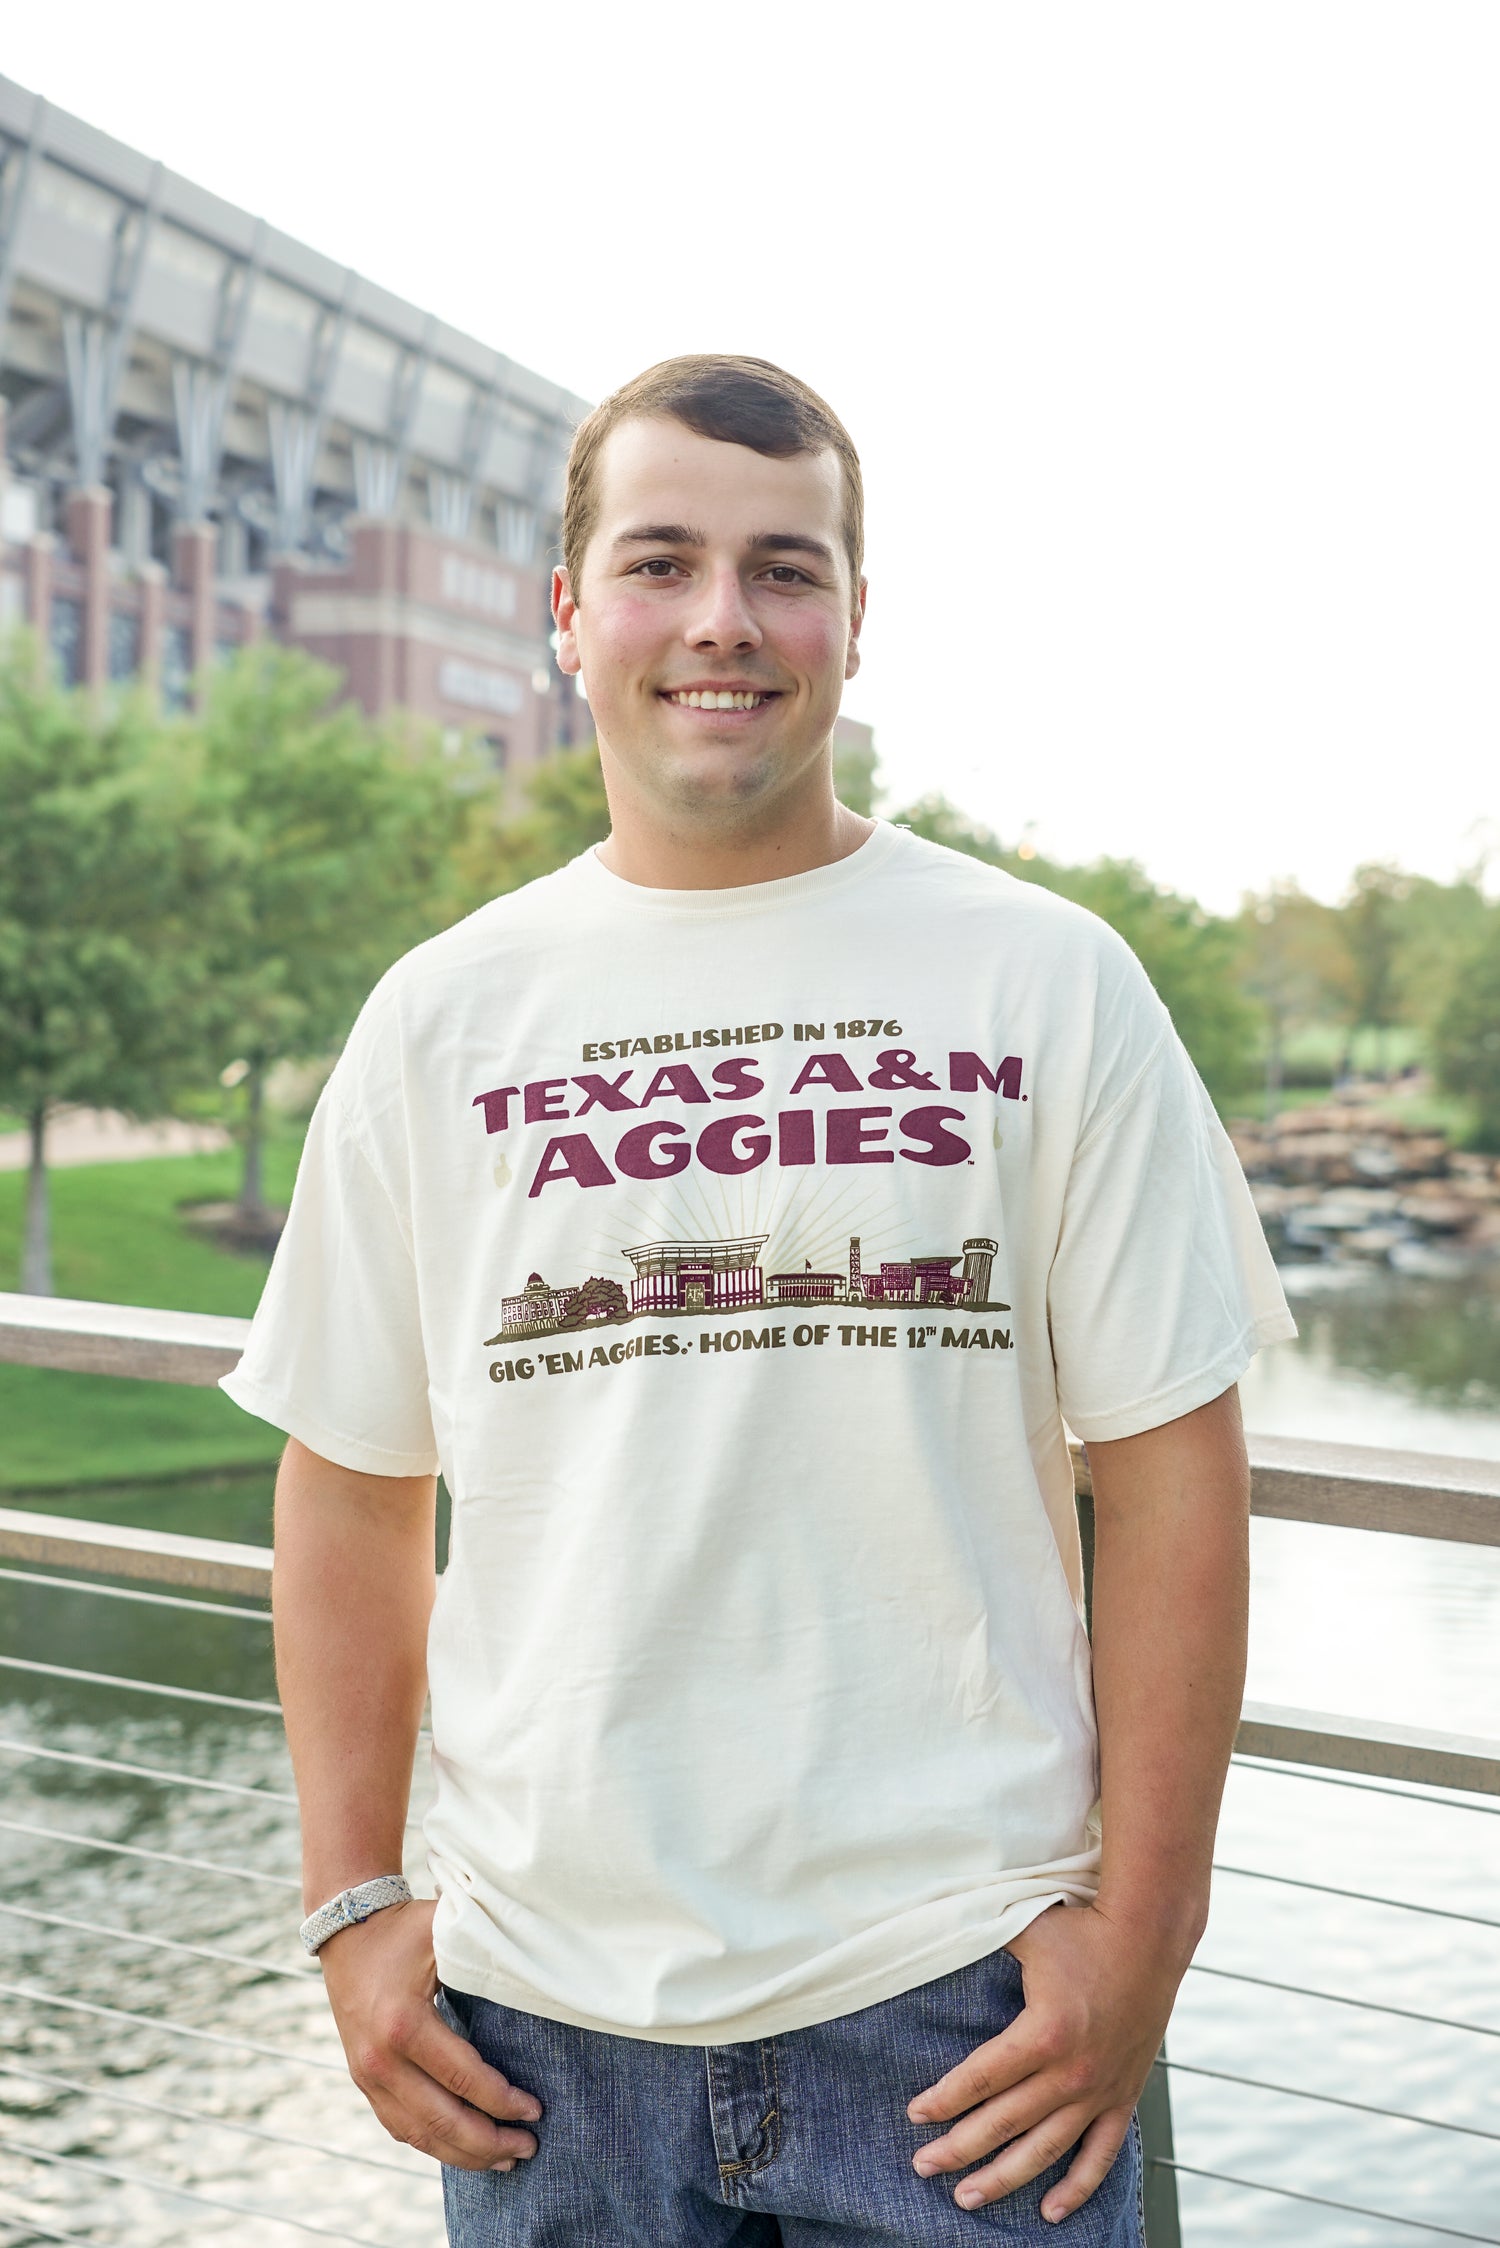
(351, 1906)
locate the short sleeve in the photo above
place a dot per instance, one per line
(335, 1355)
(1162, 1287)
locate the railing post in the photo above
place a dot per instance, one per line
(1159, 2179)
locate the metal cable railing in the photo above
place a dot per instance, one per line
(170, 2029)
(152, 1857)
(149, 1772)
(1448, 1802)
(204, 2122)
(133, 1592)
(1330, 2099)
(1326, 2201)
(33, 2224)
(119, 2176)
(197, 1694)
(308, 1974)
(1357, 1896)
(165, 1779)
(1341, 1998)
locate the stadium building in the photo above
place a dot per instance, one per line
(212, 432)
(697, 1275)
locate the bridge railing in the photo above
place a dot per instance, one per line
(1349, 1487)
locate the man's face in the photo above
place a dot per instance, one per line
(712, 572)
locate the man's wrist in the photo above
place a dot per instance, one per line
(1169, 1922)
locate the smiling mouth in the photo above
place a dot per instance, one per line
(718, 698)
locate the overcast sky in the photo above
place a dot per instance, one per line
(1169, 334)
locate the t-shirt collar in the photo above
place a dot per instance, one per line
(815, 884)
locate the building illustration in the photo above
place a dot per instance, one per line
(697, 1275)
(676, 1277)
(928, 1280)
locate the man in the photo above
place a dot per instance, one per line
(734, 1216)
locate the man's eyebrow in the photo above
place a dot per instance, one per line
(791, 542)
(761, 542)
(661, 534)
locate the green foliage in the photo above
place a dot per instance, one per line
(564, 812)
(1370, 925)
(346, 848)
(1293, 957)
(343, 845)
(107, 861)
(560, 811)
(1466, 1037)
(1192, 957)
(1441, 924)
(854, 781)
(1294, 967)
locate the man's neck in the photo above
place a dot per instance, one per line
(659, 856)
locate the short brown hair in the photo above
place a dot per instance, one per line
(739, 402)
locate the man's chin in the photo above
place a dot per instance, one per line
(714, 788)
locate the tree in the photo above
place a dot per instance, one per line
(1370, 924)
(854, 781)
(108, 859)
(559, 811)
(1440, 924)
(1295, 964)
(597, 1299)
(1192, 957)
(1466, 1037)
(347, 840)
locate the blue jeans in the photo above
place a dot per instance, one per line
(801, 2140)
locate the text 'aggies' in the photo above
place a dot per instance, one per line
(730, 1145)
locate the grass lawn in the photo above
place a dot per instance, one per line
(119, 1237)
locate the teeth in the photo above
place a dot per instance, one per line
(723, 698)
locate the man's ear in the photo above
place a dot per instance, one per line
(856, 625)
(564, 610)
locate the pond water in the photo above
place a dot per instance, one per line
(1343, 1621)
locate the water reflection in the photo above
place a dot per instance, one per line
(1381, 1359)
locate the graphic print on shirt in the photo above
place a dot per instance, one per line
(783, 1177)
(716, 1276)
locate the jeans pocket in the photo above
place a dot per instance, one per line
(1009, 1982)
(453, 2008)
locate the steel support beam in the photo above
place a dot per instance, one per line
(94, 348)
(199, 398)
(201, 394)
(377, 478)
(15, 201)
(450, 503)
(296, 432)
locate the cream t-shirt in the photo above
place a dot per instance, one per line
(737, 1255)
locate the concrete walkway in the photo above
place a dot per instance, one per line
(102, 1135)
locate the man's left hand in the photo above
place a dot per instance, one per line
(1068, 2071)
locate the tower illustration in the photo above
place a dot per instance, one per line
(856, 1277)
(978, 1256)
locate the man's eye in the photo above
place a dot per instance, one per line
(785, 573)
(659, 566)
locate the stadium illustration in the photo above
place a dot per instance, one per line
(674, 1277)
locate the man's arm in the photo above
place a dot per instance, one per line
(351, 1591)
(1171, 1578)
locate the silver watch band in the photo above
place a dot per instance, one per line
(351, 1906)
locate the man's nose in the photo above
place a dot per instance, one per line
(722, 617)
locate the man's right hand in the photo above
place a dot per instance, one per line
(428, 2087)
